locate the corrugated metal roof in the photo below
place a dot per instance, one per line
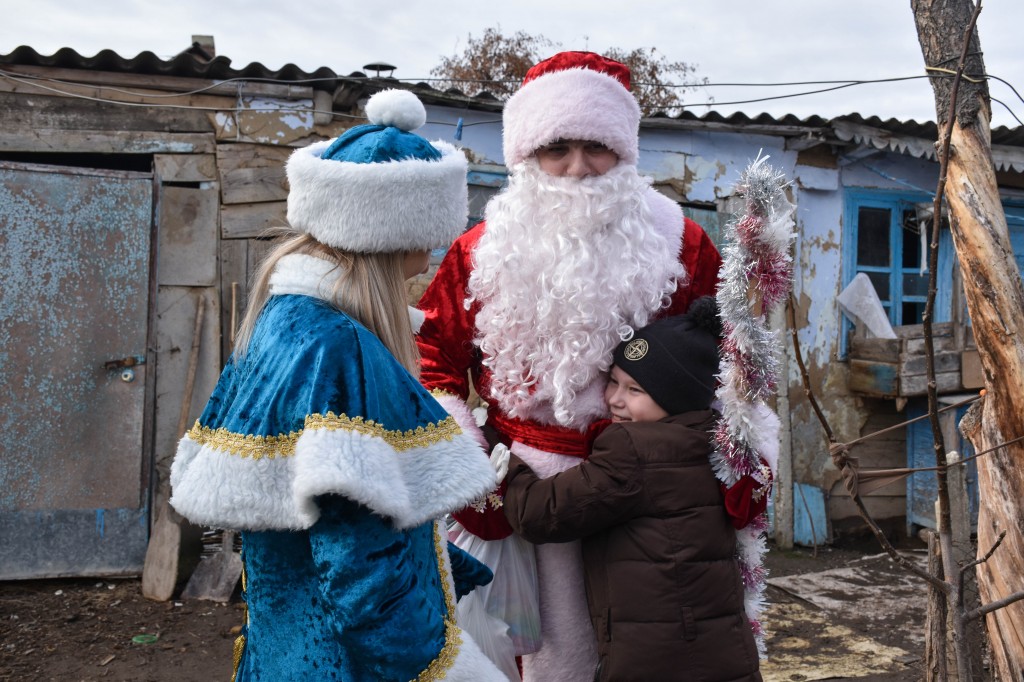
(184, 65)
(188, 65)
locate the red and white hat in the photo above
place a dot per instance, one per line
(573, 96)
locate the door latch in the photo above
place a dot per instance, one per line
(126, 366)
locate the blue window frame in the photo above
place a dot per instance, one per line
(884, 242)
(1014, 210)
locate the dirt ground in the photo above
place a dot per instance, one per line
(92, 629)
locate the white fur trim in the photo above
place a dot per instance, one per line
(416, 318)
(544, 463)
(463, 416)
(764, 435)
(575, 104)
(568, 652)
(668, 220)
(299, 273)
(471, 665)
(398, 108)
(408, 205)
(222, 489)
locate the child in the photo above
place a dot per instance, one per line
(662, 581)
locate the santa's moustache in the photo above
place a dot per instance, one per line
(566, 269)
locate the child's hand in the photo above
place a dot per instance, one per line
(499, 460)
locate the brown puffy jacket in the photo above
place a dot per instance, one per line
(662, 580)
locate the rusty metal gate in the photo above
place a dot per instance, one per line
(74, 299)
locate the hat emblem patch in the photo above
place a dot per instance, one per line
(635, 349)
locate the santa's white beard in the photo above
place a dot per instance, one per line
(564, 272)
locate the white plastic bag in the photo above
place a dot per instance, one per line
(511, 598)
(489, 633)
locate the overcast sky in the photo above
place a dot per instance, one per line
(730, 41)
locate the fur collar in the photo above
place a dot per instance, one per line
(305, 275)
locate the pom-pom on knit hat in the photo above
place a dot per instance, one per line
(572, 96)
(676, 358)
(379, 187)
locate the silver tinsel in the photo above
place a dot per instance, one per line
(756, 260)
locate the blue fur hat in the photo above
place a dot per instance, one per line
(380, 187)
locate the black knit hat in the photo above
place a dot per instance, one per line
(676, 359)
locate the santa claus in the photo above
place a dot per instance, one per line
(575, 253)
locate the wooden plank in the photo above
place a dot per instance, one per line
(323, 106)
(971, 370)
(160, 570)
(944, 362)
(916, 331)
(265, 121)
(119, 100)
(241, 221)
(945, 382)
(187, 255)
(939, 343)
(233, 287)
(252, 173)
(66, 113)
(881, 350)
(176, 310)
(258, 250)
(185, 167)
(166, 83)
(40, 139)
(254, 185)
(233, 156)
(879, 379)
(239, 260)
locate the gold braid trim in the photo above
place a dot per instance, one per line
(440, 393)
(283, 445)
(237, 655)
(439, 667)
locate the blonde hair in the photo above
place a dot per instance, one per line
(370, 288)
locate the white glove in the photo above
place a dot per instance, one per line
(499, 460)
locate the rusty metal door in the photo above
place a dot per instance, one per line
(74, 302)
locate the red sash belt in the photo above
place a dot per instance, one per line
(548, 438)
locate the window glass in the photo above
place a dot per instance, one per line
(873, 236)
(915, 285)
(911, 234)
(881, 282)
(913, 312)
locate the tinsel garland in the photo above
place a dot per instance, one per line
(756, 265)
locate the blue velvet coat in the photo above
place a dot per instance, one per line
(337, 466)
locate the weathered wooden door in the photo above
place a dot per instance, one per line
(922, 487)
(74, 302)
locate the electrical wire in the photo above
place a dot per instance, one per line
(37, 81)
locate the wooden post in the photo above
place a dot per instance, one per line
(783, 488)
(995, 300)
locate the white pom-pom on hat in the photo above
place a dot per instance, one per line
(398, 108)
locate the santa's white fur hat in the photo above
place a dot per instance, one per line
(380, 188)
(573, 96)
